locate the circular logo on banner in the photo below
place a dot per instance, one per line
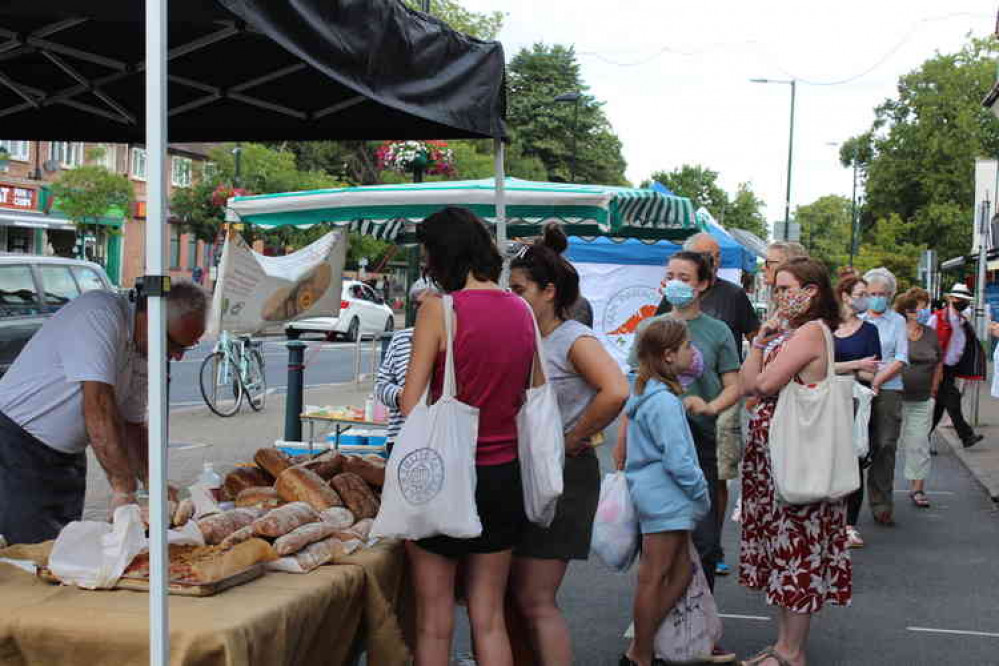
(625, 311)
(421, 476)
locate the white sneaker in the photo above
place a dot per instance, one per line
(853, 539)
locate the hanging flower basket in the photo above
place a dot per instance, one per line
(222, 194)
(433, 158)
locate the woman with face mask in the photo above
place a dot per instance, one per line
(716, 388)
(886, 410)
(858, 350)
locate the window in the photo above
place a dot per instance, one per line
(182, 168)
(109, 160)
(192, 251)
(17, 291)
(174, 246)
(210, 170)
(88, 279)
(58, 285)
(19, 150)
(138, 164)
(66, 153)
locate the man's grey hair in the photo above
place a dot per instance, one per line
(790, 249)
(186, 299)
(697, 238)
(884, 276)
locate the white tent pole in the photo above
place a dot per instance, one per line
(499, 168)
(156, 142)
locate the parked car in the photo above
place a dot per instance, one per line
(363, 312)
(32, 289)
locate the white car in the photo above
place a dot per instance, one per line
(363, 312)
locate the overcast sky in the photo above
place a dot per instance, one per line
(680, 92)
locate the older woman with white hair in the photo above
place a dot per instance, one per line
(886, 412)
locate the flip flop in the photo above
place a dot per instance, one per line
(763, 655)
(919, 499)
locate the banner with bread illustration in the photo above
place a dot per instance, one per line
(254, 291)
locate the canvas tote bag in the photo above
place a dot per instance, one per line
(540, 443)
(811, 438)
(430, 477)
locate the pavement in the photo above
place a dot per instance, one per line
(982, 459)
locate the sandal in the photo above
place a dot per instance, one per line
(884, 518)
(919, 499)
(764, 654)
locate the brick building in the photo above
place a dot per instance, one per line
(31, 223)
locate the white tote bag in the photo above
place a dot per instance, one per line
(430, 477)
(863, 397)
(540, 444)
(811, 438)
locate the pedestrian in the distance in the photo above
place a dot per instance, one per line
(494, 348)
(777, 254)
(886, 409)
(963, 359)
(591, 391)
(796, 554)
(666, 483)
(858, 351)
(921, 382)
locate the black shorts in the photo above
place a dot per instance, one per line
(499, 499)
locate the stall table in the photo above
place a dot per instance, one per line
(339, 425)
(319, 618)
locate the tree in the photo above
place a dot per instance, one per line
(745, 211)
(890, 248)
(825, 230)
(477, 24)
(556, 132)
(918, 158)
(697, 183)
(87, 194)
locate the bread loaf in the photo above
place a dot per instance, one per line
(298, 484)
(300, 537)
(264, 497)
(372, 473)
(278, 522)
(272, 460)
(339, 517)
(321, 552)
(237, 537)
(356, 495)
(217, 527)
(242, 478)
(184, 512)
(327, 465)
(232, 561)
(362, 528)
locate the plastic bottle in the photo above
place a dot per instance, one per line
(211, 480)
(369, 409)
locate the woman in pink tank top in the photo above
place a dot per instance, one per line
(493, 353)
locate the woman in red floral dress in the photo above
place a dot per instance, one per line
(796, 554)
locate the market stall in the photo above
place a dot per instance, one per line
(117, 70)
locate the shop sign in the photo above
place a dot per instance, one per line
(21, 198)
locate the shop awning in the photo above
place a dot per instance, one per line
(34, 220)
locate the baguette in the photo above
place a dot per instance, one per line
(242, 478)
(339, 517)
(284, 519)
(300, 537)
(298, 484)
(356, 495)
(272, 460)
(216, 527)
(262, 497)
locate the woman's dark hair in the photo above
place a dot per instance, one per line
(846, 285)
(824, 306)
(458, 243)
(545, 265)
(703, 264)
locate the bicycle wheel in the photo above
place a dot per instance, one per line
(254, 380)
(220, 386)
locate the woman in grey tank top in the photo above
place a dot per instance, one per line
(591, 391)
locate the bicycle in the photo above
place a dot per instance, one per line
(234, 370)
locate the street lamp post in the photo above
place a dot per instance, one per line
(573, 98)
(790, 146)
(853, 202)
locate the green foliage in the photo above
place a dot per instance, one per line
(477, 24)
(889, 246)
(745, 211)
(368, 247)
(825, 230)
(919, 155)
(552, 131)
(88, 193)
(700, 184)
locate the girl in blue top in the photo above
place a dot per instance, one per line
(665, 479)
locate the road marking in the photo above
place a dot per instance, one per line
(754, 618)
(957, 632)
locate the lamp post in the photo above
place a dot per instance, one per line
(790, 146)
(853, 202)
(572, 98)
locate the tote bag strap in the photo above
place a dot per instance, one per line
(830, 352)
(539, 351)
(450, 381)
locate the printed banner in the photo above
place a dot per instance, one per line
(255, 291)
(621, 297)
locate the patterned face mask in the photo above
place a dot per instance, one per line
(694, 372)
(792, 303)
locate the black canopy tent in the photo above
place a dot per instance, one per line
(217, 70)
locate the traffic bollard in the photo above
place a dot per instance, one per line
(296, 383)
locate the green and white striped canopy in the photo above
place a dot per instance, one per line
(387, 211)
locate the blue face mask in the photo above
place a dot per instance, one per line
(878, 304)
(923, 316)
(679, 294)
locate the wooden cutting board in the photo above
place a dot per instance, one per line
(179, 589)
